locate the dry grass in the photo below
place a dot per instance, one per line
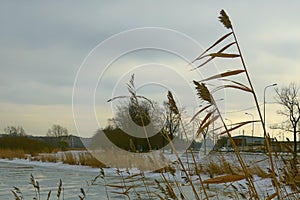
(258, 171)
(69, 158)
(220, 167)
(86, 159)
(121, 159)
(223, 167)
(214, 169)
(11, 154)
(220, 172)
(48, 158)
(224, 179)
(290, 173)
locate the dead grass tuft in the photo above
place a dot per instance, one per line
(256, 170)
(213, 168)
(69, 158)
(290, 173)
(48, 158)
(11, 154)
(166, 169)
(224, 179)
(86, 159)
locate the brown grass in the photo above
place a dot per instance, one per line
(256, 170)
(224, 179)
(290, 173)
(214, 169)
(48, 158)
(69, 158)
(121, 159)
(220, 171)
(86, 159)
(83, 158)
(11, 154)
(218, 168)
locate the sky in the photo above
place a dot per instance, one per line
(48, 49)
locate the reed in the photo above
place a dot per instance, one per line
(69, 158)
(226, 77)
(18, 194)
(283, 170)
(86, 159)
(11, 154)
(49, 158)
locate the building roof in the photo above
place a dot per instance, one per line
(249, 136)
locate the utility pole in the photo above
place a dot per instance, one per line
(265, 104)
(252, 127)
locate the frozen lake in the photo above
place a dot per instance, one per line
(17, 173)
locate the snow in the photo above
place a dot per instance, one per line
(57, 165)
(17, 173)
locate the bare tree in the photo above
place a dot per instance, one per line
(129, 117)
(127, 112)
(57, 131)
(15, 131)
(288, 97)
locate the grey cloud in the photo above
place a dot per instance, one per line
(34, 93)
(42, 44)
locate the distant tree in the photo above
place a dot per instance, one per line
(126, 113)
(57, 131)
(222, 142)
(288, 97)
(138, 115)
(14, 131)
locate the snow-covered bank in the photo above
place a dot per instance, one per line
(54, 165)
(75, 177)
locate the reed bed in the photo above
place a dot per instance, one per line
(191, 178)
(82, 158)
(11, 154)
(220, 178)
(47, 158)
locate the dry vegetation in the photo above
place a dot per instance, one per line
(46, 158)
(11, 154)
(171, 186)
(282, 171)
(72, 158)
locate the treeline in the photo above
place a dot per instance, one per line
(34, 145)
(57, 138)
(26, 144)
(128, 142)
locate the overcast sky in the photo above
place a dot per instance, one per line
(43, 45)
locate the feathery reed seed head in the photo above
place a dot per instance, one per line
(172, 104)
(225, 19)
(203, 91)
